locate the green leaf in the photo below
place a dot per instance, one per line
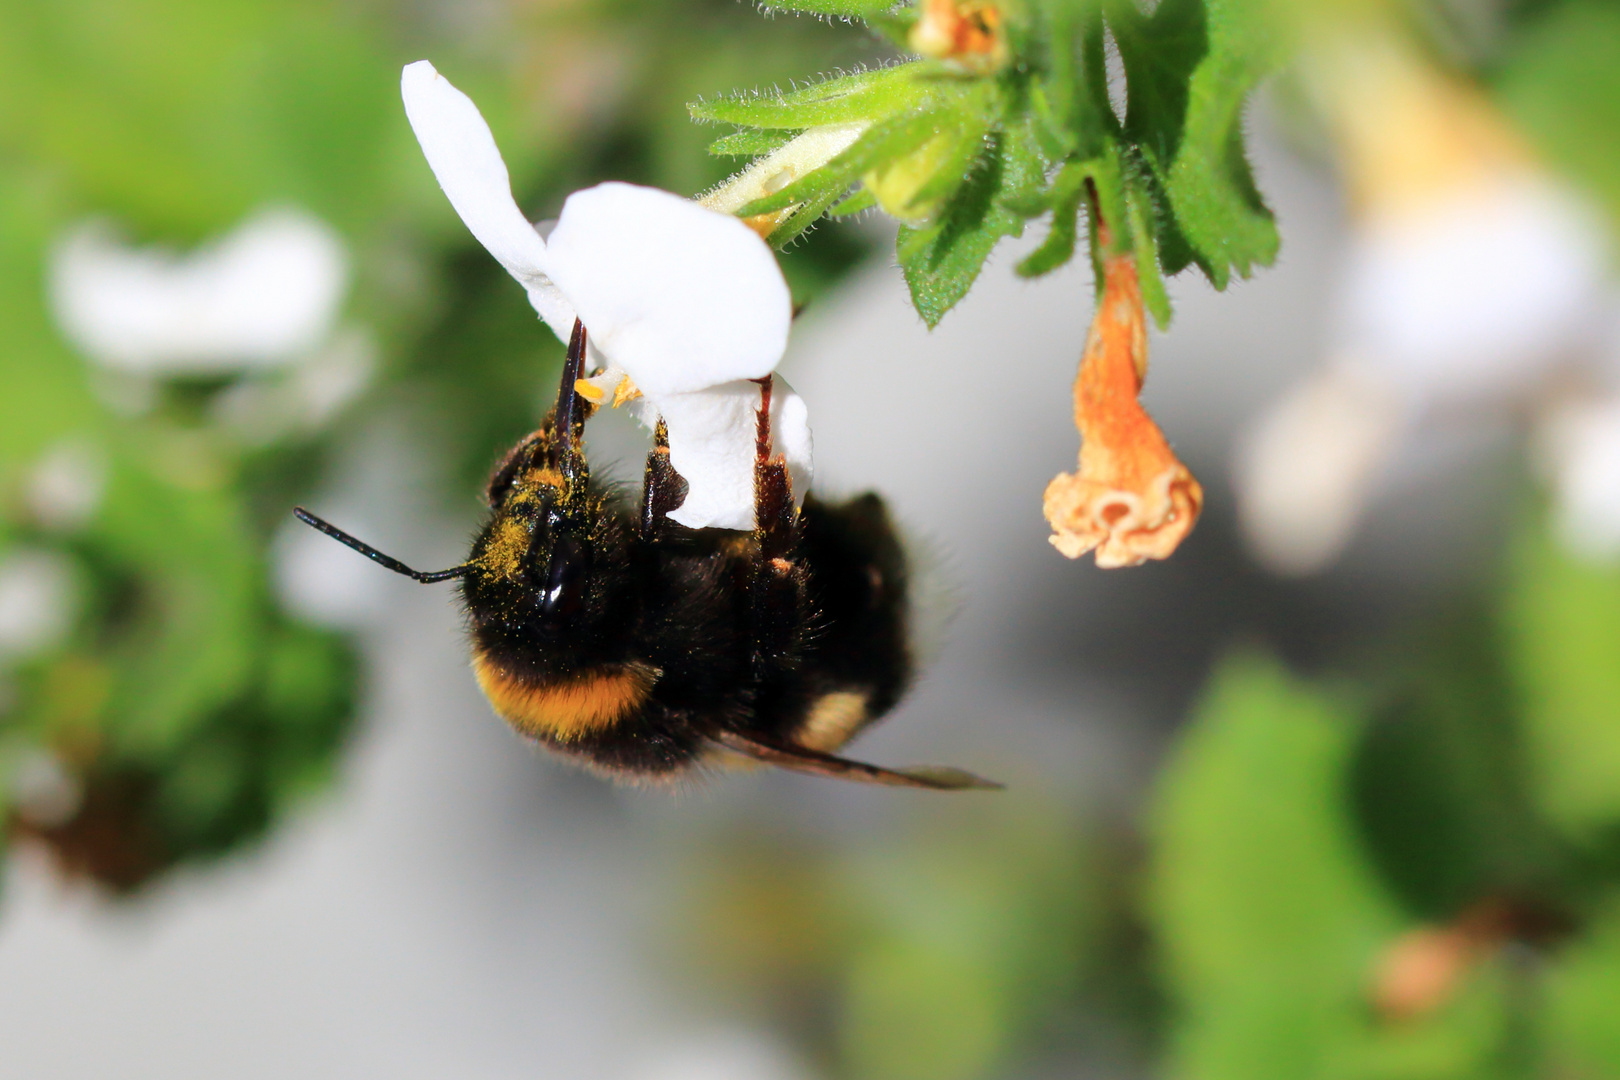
(838, 9)
(861, 200)
(881, 143)
(865, 95)
(1210, 184)
(803, 217)
(1438, 780)
(1139, 213)
(965, 133)
(751, 143)
(1561, 620)
(193, 646)
(1067, 192)
(1160, 53)
(942, 261)
(1268, 918)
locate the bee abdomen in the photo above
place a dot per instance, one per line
(563, 710)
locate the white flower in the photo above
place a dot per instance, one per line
(258, 297)
(686, 301)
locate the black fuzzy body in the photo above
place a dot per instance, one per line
(740, 632)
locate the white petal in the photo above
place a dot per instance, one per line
(462, 153)
(258, 297)
(1477, 295)
(711, 444)
(681, 297)
(1305, 471)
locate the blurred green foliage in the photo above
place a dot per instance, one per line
(1311, 840)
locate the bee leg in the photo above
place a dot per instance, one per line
(663, 489)
(775, 517)
(778, 600)
(803, 759)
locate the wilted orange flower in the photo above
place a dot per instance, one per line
(1131, 499)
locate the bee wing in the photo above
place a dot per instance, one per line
(803, 759)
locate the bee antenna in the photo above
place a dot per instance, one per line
(373, 554)
(568, 402)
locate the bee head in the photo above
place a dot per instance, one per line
(550, 575)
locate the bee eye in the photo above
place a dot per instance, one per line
(563, 590)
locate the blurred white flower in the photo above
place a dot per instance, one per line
(258, 297)
(38, 601)
(1579, 451)
(63, 490)
(1306, 468)
(1472, 276)
(687, 302)
(1469, 299)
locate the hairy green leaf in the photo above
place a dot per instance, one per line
(864, 95)
(1210, 184)
(751, 143)
(861, 200)
(1067, 193)
(838, 9)
(942, 261)
(1160, 53)
(880, 143)
(1140, 215)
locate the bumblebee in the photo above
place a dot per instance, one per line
(645, 650)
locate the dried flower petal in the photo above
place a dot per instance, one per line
(1131, 499)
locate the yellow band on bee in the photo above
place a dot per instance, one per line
(568, 709)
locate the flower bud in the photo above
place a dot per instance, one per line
(901, 186)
